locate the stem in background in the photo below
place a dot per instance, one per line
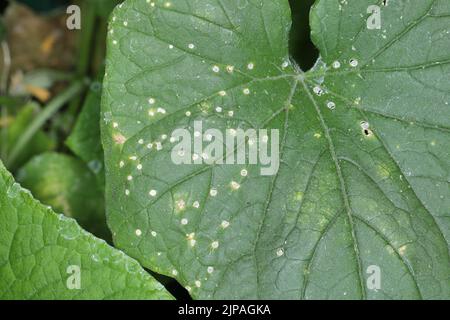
(86, 36)
(85, 50)
(7, 67)
(54, 105)
(3, 91)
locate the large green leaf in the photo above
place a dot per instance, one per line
(365, 148)
(40, 252)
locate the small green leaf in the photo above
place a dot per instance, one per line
(84, 140)
(43, 255)
(67, 185)
(363, 182)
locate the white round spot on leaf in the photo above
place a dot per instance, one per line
(235, 185)
(180, 204)
(215, 244)
(225, 224)
(318, 90)
(365, 125)
(280, 252)
(138, 232)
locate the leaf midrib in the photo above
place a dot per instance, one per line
(343, 187)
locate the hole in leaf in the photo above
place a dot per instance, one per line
(300, 45)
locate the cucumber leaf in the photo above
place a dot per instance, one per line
(48, 256)
(363, 182)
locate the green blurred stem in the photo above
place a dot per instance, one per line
(85, 51)
(57, 103)
(3, 91)
(86, 37)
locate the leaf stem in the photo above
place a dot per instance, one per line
(58, 102)
(3, 91)
(84, 53)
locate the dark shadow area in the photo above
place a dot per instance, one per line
(172, 286)
(3, 5)
(301, 47)
(45, 5)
